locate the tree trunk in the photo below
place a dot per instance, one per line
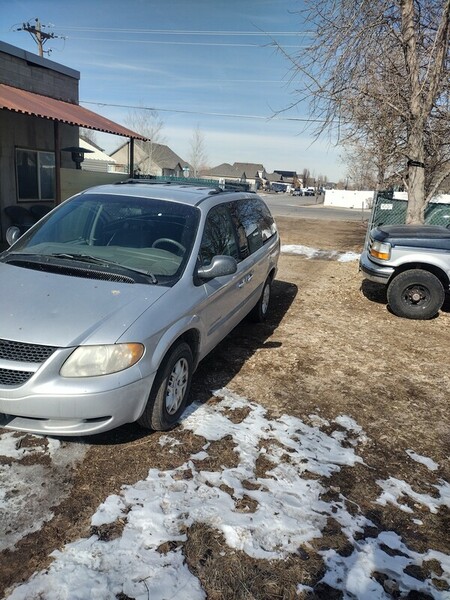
(415, 129)
(416, 194)
(416, 174)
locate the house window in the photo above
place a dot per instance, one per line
(35, 175)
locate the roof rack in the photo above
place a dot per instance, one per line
(228, 186)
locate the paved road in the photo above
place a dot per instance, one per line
(285, 205)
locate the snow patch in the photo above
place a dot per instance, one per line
(396, 489)
(315, 253)
(29, 491)
(288, 511)
(430, 464)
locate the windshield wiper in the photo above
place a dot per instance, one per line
(103, 262)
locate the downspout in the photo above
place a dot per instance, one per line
(131, 157)
(57, 147)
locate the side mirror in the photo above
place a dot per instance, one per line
(12, 234)
(219, 266)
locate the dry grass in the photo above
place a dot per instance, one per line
(225, 573)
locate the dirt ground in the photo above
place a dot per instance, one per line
(330, 347)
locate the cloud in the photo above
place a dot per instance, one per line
(124, 66)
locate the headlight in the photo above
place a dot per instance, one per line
(381, 250)
(90, 361)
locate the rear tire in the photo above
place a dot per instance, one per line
(170, 390)
(415, 294)
(259, 313)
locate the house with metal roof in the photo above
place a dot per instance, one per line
(40, 117)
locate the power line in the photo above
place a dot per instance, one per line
(159, 42)
(41, 36)
(186, 32)
(189, 31)
(209, 114)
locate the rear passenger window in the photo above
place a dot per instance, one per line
(254, 224)
(218, 236)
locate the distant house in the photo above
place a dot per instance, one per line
(253, 169)
(151, 158)
(290, 177)
(286, 174)
(225, 171)
(250, 173)
(95, 159)
(274, 177)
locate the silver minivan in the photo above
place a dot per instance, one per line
(110, 301)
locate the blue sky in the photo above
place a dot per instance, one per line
(200, 63)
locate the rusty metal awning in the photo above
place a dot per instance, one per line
(36, 105)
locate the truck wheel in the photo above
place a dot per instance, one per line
(170, 390)
(415, 294)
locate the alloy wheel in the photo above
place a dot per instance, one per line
(177, 385)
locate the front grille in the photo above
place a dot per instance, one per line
(21, 352)
(10, 377)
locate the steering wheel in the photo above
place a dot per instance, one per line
(168, 241)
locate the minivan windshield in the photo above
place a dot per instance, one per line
(148, 236)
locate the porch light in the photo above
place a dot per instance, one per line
(77, 154)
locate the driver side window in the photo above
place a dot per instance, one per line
(218, 236)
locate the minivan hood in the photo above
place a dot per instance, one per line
(58, 310)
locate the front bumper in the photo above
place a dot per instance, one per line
(373, 271)
(83, 412)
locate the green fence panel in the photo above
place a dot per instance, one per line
(437, 214)
(389, 211)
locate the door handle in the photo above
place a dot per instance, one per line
(246, 279)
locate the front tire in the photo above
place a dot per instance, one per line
(415, 294)
(259, 313)
(170, 390)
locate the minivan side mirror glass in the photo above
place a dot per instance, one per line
(219, 266)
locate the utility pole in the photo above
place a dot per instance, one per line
(39, 36)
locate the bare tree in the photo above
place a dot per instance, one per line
(305, 177)
(148, 123)
(197, 156)
(374, 140)
(89, 134)
(361, 169)
(380, 71)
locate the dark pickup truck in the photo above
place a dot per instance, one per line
(413, 261)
